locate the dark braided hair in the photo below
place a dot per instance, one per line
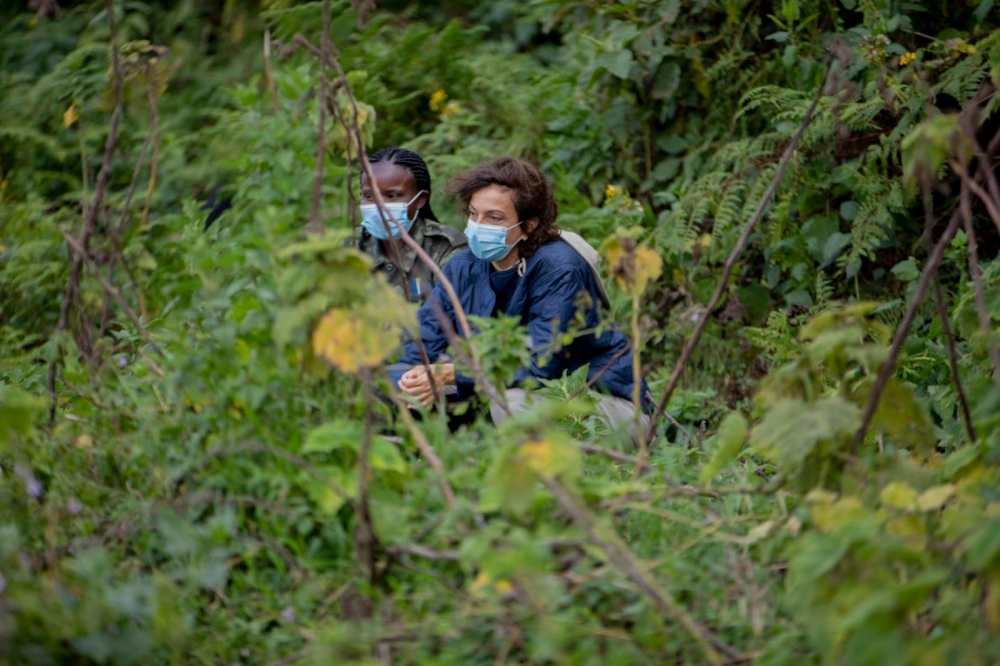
(413, 163)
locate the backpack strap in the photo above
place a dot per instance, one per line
(593, 259)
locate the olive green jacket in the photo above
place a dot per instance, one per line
(440, 242)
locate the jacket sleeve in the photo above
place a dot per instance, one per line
(552, 310)
(432, 334)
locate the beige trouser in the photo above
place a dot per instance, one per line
(617, 413)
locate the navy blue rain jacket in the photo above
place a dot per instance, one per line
(546, 300)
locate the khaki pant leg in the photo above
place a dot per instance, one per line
(620, 415)
(517, 400)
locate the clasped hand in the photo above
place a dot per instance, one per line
(416, 381)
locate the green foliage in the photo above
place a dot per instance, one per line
(203, 506)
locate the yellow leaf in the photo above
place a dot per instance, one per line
(70, 116)
(633, 266)
(762, 531)
(84, 442)
(504, 586)
(899, 495)
(935, 498)
(648, 267)
(537, 455)
(820, 496)
(551, 455)
(706, 240)
(481, 582)
(362, 337)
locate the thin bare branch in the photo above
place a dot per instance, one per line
(110, 290)
(269, 71)
(976, 270)
(622, 558)
(315, 217)
(425, 448)
(741, 244)
(942, 309)
(889, 366)
(116, 234)
(90, 215)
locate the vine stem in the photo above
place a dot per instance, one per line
(425, 448)
(942, 309)
(741, 245)
(116, 236)
(110, 290)
(315, 217)
(976, 270)
(76, 264)
(404, 235)
(930, 269)
(622, 558)
(904, 326)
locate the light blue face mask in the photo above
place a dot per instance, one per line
(489, 242)
(371, 218)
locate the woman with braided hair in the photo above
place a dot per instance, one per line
(405, 185)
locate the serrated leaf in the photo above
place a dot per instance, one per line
(730, 440)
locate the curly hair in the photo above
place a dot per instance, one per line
(529, 189)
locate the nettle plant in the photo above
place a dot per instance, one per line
(894, 547)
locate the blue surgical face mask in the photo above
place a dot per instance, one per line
(489, 242)
(371, 218)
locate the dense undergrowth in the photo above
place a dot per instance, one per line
(197, 486)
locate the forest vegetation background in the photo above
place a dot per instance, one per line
(800, 218)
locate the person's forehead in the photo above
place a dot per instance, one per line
(493, 197)
(388, 174)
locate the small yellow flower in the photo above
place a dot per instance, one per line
(907, 58)
(612, 191)
(450, 109)
(437, 100)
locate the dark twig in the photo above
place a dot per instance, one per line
(116, 234)
(622, 558)
(110, 290)
(426, 450)
(741, 244)
(963, 403)
(76, 264)
(353, 132)
(942, 309)
(897, 342)
(315, 217)
(269, 70)
(364, 531)
(965, 208)
(404, 235)
(154, 165)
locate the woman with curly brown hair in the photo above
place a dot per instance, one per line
(519, 264)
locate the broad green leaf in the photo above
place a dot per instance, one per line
(934, 498)
(900, 496)
(509, 484)
(731, 438)
(551, 455)
(334, 435)
(16, 409)
(903, 418)
(790, 431)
